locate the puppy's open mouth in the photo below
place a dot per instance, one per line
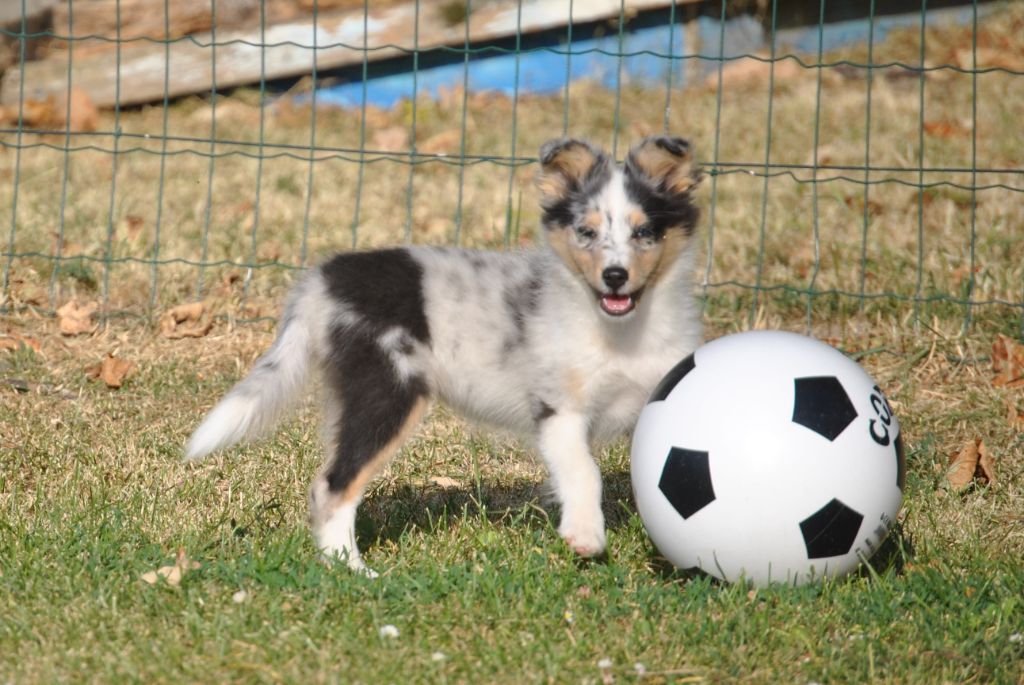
(618, 305)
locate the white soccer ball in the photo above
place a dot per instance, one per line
(770, 457)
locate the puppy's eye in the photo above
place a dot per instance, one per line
(644, 233)
(585, 234)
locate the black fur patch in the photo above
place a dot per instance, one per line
(375, 402)
(521, 300)
(664, 210)
(566, 208)
(543, 411)
(676, 146)
(385, 287)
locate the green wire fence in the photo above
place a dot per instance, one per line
(914, 207)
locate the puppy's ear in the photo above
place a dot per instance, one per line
(667, 162)
(565, 164)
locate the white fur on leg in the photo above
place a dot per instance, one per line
(577, 481)
(336, 538)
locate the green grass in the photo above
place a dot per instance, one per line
(492, 593)
(93, 493)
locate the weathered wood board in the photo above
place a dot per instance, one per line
(175, 19)
(150, 70)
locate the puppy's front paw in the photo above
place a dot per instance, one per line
(354, 562)
(586, 538)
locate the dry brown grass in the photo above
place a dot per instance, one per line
(886, 237)
(898, 240)
(893, 239)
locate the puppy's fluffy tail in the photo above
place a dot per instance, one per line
(260, 399)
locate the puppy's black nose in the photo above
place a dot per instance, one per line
(615, 277)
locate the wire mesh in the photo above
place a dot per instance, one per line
(229, 192)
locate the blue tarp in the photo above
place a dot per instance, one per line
(643, 55)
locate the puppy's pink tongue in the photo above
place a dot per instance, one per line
(616, 305)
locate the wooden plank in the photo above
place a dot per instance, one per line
(286, 49)
(146, 18)
(138, 19)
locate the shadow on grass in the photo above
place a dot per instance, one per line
(385, 516)
(390, 512)
(895, 552)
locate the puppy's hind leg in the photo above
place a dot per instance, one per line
(371, 410)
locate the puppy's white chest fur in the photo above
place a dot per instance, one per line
(516, 336)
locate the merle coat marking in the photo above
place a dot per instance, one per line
(565, 344)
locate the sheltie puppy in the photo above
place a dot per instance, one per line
(564, 343)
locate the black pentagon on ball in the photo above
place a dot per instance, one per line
(821, 404)
(672, 378)
(830, 531)
(686, 481)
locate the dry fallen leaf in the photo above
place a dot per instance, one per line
(34, 114)
(186, 321)
(191, 311)
(82, 114)
(131, 226)
(74, 318)
(112, 370)
(442, 482)
(172, 574)
(964, 272)
(13, 342)
(857, 204)
(445, 482)
(60, 244)
(986, 464)
(970, 463)
(946, 129)
(1007, 362)
(1013, 415)
(56, 112)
